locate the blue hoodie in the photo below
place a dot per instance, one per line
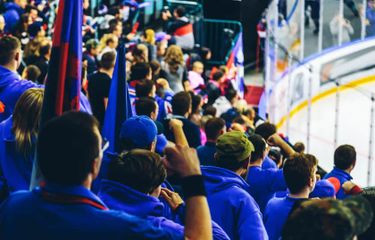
(343, 177)
(12, 16)
(231, 205)
(12, 87)
(123, 198)
(264, 183)
(15, 168)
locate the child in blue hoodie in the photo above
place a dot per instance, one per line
(228, 196)
(134, 186)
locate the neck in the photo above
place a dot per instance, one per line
(88, 182)
(47, 57)
(109, 72)
(10, 67)
(257, 163)
(303, 194)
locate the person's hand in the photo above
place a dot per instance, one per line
(182, 160)
(175, 123)
(173, 199)
(130, 36)
(274, 140)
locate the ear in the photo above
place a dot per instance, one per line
(17, 57)
(95, 168)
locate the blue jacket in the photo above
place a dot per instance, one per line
(15, 168)
(276, 214)
(269, 163)
(123, 198)
(231, 205)
(12, 16)
(206, 154)
(264, 183)
(12, 87)
(191, 130)
(31, 215)
(343, 177)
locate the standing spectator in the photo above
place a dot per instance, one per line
(213, 88)
(173, 66)
(108, 43)
(231, 205)
(148, 38)
(300, 176)
(181, 108)
(345, 158)
(90, 55)
(338, 22)
(13, 12)
(115, 28)
(45, 55)
(370, 18)
(214, 128)
(17, 141)
(99, 86)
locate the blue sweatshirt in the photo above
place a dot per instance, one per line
(15, 167)
(343, 177)
(31, 215)
(264, 183)
(123, 198)
(206, 154)
(231, 205)
(269, 163)
(276, 214)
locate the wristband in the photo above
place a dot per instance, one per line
(193, 186)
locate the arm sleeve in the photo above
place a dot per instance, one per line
(277, 182)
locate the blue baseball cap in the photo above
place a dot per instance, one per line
(140, 130)
(323, 189)
(161, 144)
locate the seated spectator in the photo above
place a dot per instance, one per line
(264, 183)
(266, 130)
(195, 77)
(214, 128)
(99, 85)
(224, 103)
(329, 219)
(174, 68)
(181, 108)
(300, 177)
(31, 73)
(67, 202)
(17, 141)
(231, 205)
(344, 159)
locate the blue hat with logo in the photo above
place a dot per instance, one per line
(140, 130)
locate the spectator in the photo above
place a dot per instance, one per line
(300, 177)
(231, 205)
(195, 76)
(108, 43)
(299, 147)
(264, 182)
(13, 12)
(370, 18)
(140, 54)
(344, 160)
(214, 128)
(115, 28)
(275, 155)
(18, 138)
(213, 87)
(2, 25)
(31, 53)
(36, 30)
(329, 219)
(338, 22)
(22, 27)
(174, 67)
(181, 108)
(90, 55)
(43, 62)
(76, 139)
(31, 73)
(148, 39)
(99, 86)
(196, 108)
(266, 130)
(11, 86)
(181, 29)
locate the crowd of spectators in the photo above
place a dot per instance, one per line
(196, 160)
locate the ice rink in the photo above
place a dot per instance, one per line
(354, 127)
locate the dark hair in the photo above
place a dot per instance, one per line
(266, 130)
(114, 10)
(33, 73)
(143, 88)
(204, 51)
(217, 75)
(112, 25)
(209, 110)
(231, 94)
(180, 11)
(345, 156)
(9, 46)
(213, 128)
(275, 155)
(299, 147)
(298, 170)
(139, 169)
(181, 103)
(145, 106)
(108, 60)
(229, 163)
(67, 147)
(259, 147)
(139, 71)
(45, 49)
(195, 102)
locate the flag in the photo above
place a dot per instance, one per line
(63, 84)
(236, 63)
(119, 107)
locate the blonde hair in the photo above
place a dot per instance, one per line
(174, 57)
(26, 117)
(149, 36)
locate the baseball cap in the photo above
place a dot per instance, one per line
(139, 130)
(161, 143)
(323, 189)
(234, 145)
(329, 219)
